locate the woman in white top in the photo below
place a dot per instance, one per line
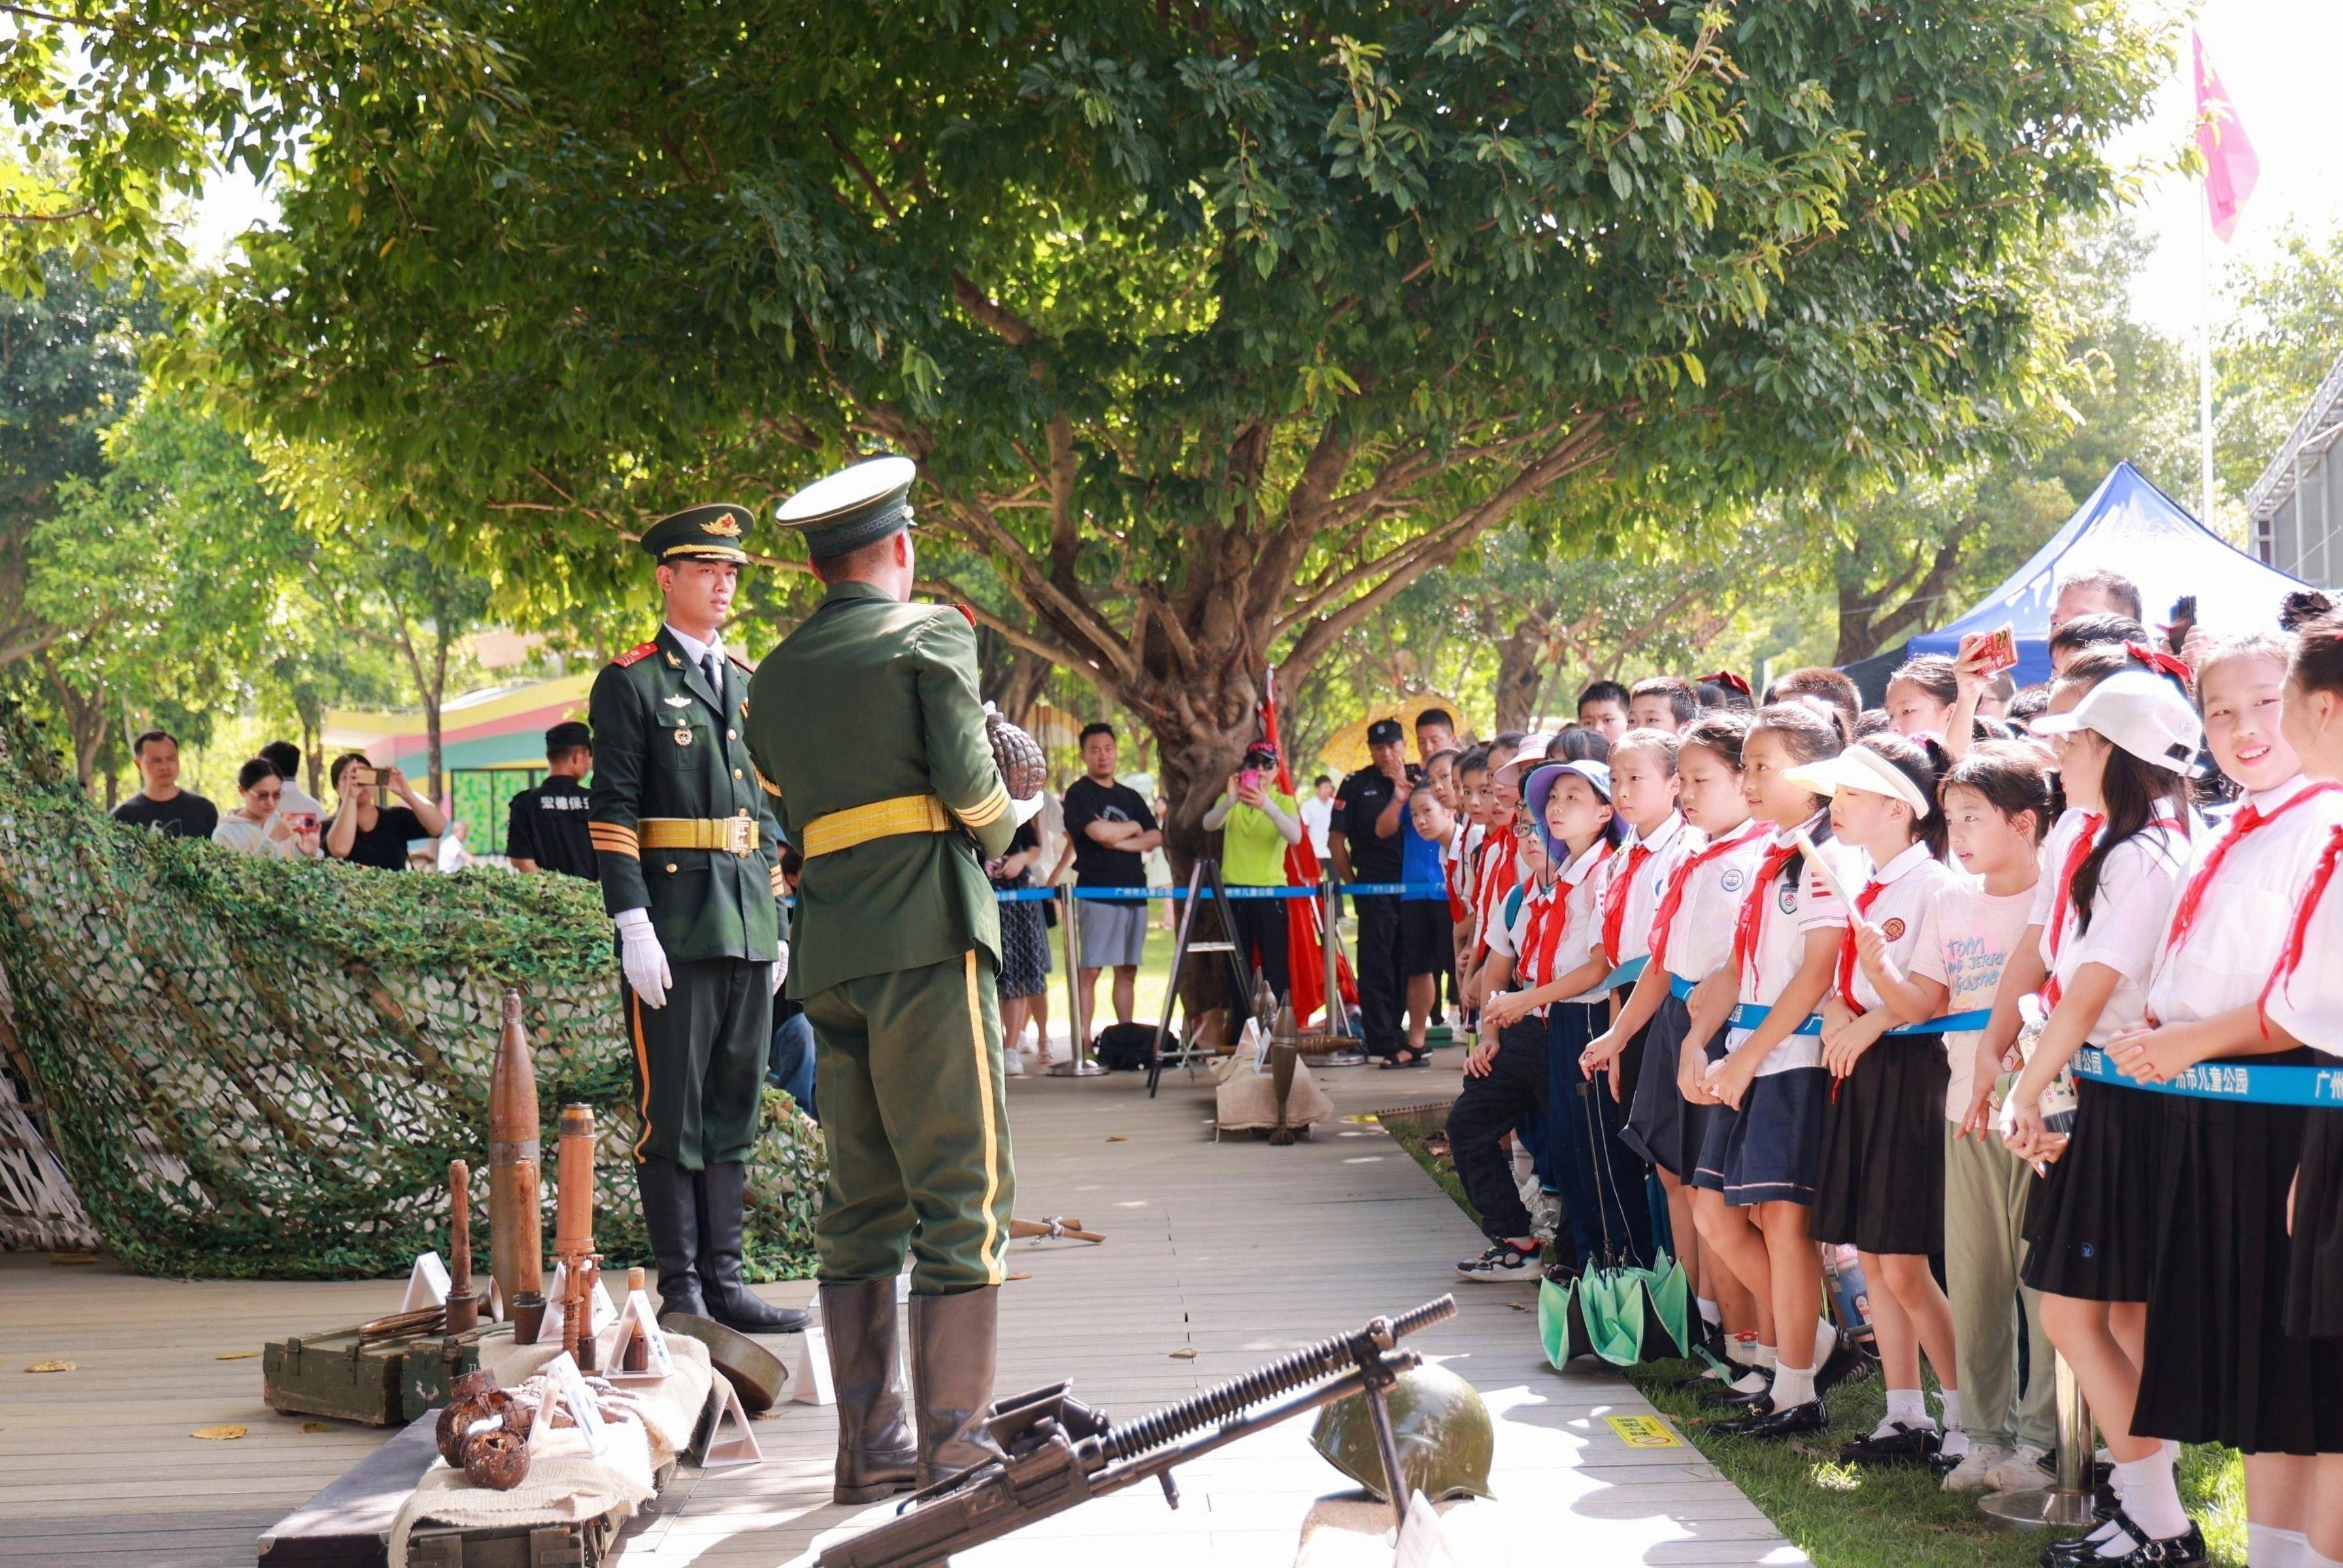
(2124, 739)
(2218, 1364)
(254, 827)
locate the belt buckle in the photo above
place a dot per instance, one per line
(740, 835)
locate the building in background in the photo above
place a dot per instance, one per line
(2296, 508)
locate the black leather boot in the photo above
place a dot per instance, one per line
(671, 1215)
(951, 1378)
(731, 1302)
(875, 1454)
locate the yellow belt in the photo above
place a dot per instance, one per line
(735, 835)
(879, 820)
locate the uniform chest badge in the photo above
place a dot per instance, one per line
(1788, 900)
(1894, 930)
(683, 737)
(677, 701)
(1732, 880)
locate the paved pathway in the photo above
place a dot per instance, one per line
(1235, 1252)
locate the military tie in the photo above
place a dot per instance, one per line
(713, 668)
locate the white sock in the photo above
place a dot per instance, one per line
(1792, 1385)
(1709, 1311)
(1741, 1350)
(1907, 1407)
(1950, 1399)
(1767, 1355)
(2150, 1498)
(1826, 1339)
(2267, 1546)
(1955, 1446)
(2311, 1558)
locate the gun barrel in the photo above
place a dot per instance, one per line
(1283, 1375)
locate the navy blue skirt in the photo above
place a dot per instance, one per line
(1770, 1150)
(1662, 1125)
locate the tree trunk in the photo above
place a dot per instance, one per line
(1016, 688)
(1520, 678)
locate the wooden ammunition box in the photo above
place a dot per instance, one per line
(340, 1373)
(434, 1362)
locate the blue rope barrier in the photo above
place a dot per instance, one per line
(1749, 1015)
(2235, 1081)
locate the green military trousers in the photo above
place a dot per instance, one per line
(915, 1121)
(700, 1061)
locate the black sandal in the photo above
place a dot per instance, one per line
(1406, 1056)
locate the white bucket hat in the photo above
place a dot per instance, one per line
(1858, 768)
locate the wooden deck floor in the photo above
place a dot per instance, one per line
(1235, 1252)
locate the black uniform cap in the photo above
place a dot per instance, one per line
(708, 533)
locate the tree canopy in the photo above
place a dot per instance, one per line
(1213, 327)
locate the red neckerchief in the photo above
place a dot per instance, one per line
(1500, 859)
(1846, 950)
(2289, 957)
(1671, 897)
(1749, 925)
(1614, 899)
(1549, 918)
(2248, 819)
(2077, 853)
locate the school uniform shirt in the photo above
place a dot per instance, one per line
(1975, 932)
(1790, 909)
(1899, 898)
(1515, 923)
(2137, 882)
(2226, 925)
(1582, 882)
(1498, 873)
(2303, 992)
(1699, 936)
(1637, 875)
(1457, 862)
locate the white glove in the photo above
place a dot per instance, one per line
(1024, 811)
(781, 969)
(642, 958)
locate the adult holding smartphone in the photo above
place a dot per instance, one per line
(1256, 821)
(365, 832)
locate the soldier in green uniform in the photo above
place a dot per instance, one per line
(867, 723)
(689, 856)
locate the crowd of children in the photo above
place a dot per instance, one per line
(1906, 975)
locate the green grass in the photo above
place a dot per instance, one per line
(1844, 1516)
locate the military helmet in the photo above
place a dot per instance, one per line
(1439, 1424)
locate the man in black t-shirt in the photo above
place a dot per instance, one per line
(545, 829)
(1110, 829)
(1366, 841)
(160, 803)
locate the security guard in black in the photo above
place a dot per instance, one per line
(545, 827)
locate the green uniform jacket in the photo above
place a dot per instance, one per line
(666, 746)
(871, 700)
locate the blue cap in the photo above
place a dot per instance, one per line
(1540, 785)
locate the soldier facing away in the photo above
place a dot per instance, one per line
(689, 857)
(867, 723)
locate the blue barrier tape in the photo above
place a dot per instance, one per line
(1627, 973)
(1749, 1015)
(2235, 1081)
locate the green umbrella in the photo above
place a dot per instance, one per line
(1620, 1313)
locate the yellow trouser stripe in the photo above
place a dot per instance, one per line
(836, 831)
(994, 1262)
(642, 1069)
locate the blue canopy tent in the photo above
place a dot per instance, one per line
(2131, 526)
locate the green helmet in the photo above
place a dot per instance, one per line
(1440, 1428)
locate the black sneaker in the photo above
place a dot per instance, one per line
(1560, 1273)
(1502, 1260)
(1795, 1420)
(1752, 1390)
(1900, 1444)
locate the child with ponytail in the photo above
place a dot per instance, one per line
(1762, 1147)
(2124, 742)
(2219, 1365)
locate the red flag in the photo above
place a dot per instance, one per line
(2231, 169)
(1305, 959)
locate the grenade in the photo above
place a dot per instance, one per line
(1018, 755)
(496, 1458)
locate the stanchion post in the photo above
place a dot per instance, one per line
(1330, 943)
(1078, 1063)
(2067, 1504)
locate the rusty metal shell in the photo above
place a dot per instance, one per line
(496, 1458)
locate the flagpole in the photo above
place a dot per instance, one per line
(2204, 366)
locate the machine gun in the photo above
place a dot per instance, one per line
(1056, 1452)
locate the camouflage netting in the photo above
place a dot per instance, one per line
(260, 1067)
